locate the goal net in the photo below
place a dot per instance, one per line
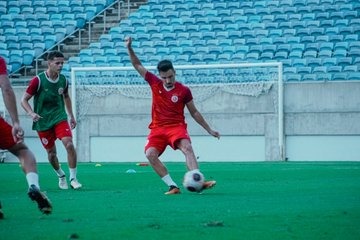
(247, 79)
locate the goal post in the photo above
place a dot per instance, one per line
(247, 79)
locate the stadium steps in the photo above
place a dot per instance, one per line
(70, 47)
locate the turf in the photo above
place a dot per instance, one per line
(277, 200)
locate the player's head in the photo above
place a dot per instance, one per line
(167, 73)
(55, 61)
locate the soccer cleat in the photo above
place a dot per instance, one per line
(173, 190)
(1, 212)
(208, 184)
(41, 199)
(62, 183)
(75, 184)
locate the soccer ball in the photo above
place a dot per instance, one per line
(194, 181)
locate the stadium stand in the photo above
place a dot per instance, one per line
(308, 35)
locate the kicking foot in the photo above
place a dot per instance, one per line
(208, 184)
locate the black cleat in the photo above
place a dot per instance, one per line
(41, 199)
(1, 213)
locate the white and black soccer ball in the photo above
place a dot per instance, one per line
(194, 181)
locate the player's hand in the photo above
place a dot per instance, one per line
(72, 123)
(35, 117)
(128, 42)
(18, 133)
(215, 134)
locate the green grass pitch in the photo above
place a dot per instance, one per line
(277, 200)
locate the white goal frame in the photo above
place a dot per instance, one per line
(280, 84)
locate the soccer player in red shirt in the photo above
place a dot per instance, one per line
(50, 119)
(12, 138)
(168, 126)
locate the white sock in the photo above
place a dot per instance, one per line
(72, 173)
(168, 180)
(32, 178)
(60, 172)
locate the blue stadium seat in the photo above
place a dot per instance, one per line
(209, 58)
(310, 54)
(329, 61)
(351, 68)
(344, 61)
(351, 37)
(238, 57)
(224, 58)
(280, 56)
(266, 56)
(336, 38)
(28, 56)
(228, 49)
(339, 76)
(320, 69)
(16, 59)
(341, 46)
(334, 69)
(339, 53)
(354, 76)
(325, 54)
(322, 39)
(308, 77)
(293, 40)
(101, 61)
(199, 42)
(292, 77)
(252, 56)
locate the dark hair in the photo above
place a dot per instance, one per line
(164, 66)
(54, 54)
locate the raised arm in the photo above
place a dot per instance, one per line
(134, 59)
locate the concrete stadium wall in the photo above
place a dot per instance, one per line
(322, 122)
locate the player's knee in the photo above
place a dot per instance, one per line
(187, 148)
(69, 146)
(51, 154)
(19, 149)
(151, 155)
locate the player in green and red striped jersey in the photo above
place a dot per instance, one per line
(52, 107)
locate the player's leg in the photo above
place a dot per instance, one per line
(48, 141)
(20, 150)
(191, 162)
(184, 145)
(153, 149)
(72, 161)
(54, 161)
(28, 163)
(63, 132)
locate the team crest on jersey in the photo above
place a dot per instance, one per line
(174, 98)
(61, 91)
(44, 141)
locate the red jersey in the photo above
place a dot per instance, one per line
(167, 105)
(3, 69)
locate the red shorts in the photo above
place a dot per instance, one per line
(160, 137)
(6, 137)
(60, 130)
